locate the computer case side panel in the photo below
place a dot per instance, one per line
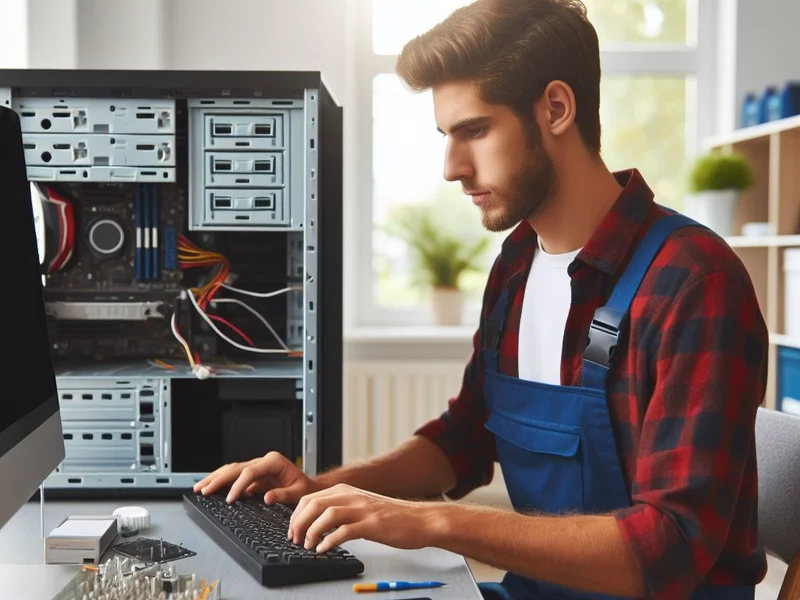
(330, 374)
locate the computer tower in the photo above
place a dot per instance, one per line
(190, 241)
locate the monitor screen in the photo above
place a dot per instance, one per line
(28, 393)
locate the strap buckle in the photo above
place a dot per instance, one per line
(603, 336)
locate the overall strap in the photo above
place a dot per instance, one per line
(495, 325)
(608, 319)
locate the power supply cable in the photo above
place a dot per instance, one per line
(233, 343)
(183, 342)
(262, 294)
(231, 326)
(257, 314)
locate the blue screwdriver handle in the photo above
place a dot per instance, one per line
(385, 586)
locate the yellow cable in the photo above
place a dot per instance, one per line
(188, 353)
(188, 250)
(199, 257)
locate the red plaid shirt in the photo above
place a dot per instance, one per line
(682, 393)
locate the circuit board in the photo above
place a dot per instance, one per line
(150, 550)
(111, 222)
(110, 340)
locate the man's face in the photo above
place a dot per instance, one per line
(499, 161)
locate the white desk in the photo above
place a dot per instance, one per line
(25, 576)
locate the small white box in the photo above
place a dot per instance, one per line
(791, 290)
(80, 539)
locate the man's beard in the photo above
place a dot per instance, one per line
(527, 193)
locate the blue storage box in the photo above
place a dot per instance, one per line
(789, 380)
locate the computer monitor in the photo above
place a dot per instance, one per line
(31, 440)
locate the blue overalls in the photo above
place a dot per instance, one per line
(555, 444)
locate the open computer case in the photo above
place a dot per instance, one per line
(190, 240)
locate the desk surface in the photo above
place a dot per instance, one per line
(22, 559)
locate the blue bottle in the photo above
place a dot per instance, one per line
(766, 101)
(775, 107)
(790, 99)
(750, 110)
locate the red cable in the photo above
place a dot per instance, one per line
(242, 334)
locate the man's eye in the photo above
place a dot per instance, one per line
(474, 131)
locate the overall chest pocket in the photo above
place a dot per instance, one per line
(541, 463)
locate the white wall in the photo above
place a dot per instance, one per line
(53, 34)
(14, 34)
(120, 34)
(258, 35)
(188, 34)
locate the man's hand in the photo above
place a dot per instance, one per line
(274, 475)
(350, 513)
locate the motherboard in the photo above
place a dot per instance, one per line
(112, 275)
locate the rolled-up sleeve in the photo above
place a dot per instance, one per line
(696, 456)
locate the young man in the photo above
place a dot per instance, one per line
(616, 370)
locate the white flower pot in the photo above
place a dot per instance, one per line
(715, 209)
(447, 305)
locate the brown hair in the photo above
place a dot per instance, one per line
(512, 49)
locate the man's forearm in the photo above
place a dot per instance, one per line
(585, 552)
(416, 469)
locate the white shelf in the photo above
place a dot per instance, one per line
(756, 132)
(763, 241)
(784, 340)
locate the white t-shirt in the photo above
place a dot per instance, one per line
(545, 308)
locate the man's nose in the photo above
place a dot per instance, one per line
(457, 164)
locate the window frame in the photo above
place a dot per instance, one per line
(696, 62)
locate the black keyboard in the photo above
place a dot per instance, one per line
(255, 536)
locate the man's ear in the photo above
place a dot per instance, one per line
(558, 107)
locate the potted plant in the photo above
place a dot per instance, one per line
(717, 181)
(442, 256)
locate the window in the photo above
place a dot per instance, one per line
(655, 106)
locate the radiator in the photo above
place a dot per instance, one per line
(385, 401)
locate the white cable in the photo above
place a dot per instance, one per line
(181, 340)
(262, 294)
(258, 315)
(225, 337)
